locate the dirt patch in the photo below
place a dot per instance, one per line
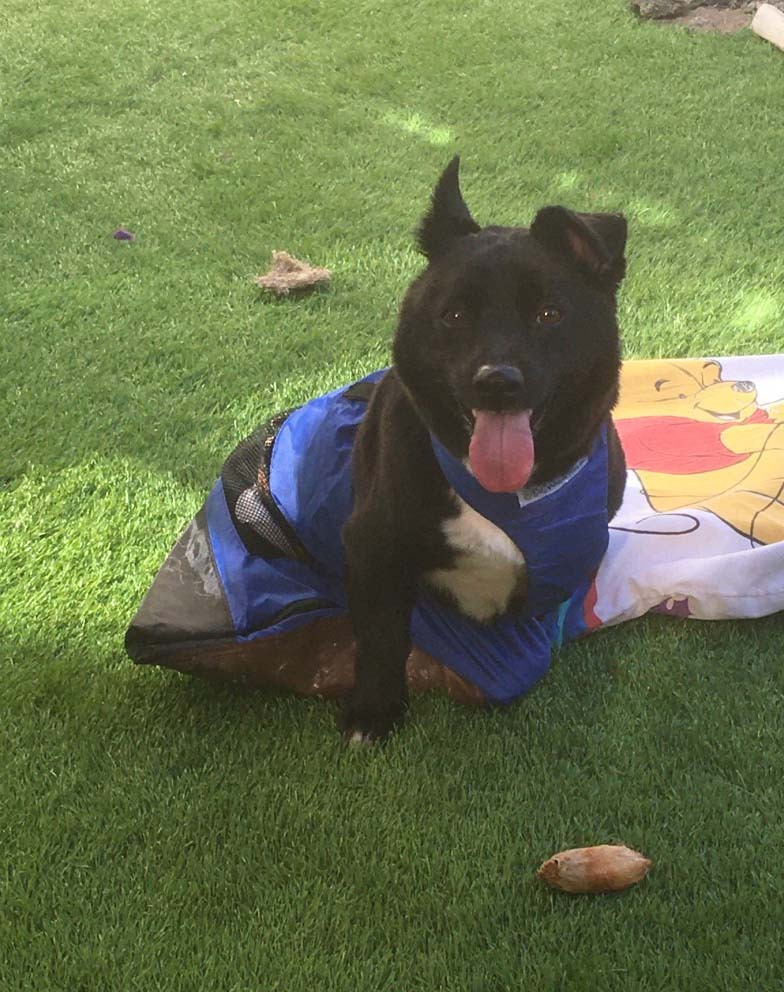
(717, 19)
(670, 9)
(719, 16)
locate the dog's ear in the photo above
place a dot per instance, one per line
(595, 242)
(449, 218)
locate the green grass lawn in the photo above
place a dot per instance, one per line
(158, 833)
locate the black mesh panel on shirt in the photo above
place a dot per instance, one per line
(245, 474)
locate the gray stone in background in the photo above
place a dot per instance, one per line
(677, 8)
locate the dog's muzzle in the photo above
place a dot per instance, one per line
(498, 386)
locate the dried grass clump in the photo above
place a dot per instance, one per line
(288, 273)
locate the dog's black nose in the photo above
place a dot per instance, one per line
(498, 383)
(743, 387)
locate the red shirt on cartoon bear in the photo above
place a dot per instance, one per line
(680, 445)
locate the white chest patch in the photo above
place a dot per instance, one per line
(488, 567)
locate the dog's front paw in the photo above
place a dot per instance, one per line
(369, 724)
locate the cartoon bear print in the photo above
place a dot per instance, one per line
(697, 440)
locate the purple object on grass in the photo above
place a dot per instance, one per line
(122, 235)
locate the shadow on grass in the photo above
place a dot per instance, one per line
(86, 679)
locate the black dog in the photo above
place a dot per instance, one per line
(506, 352)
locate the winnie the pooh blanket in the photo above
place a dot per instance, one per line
(699, 531)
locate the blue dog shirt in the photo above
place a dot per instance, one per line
(561, 530)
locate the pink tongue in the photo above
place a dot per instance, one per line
(501, 453)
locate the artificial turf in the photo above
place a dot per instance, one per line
(158, 833)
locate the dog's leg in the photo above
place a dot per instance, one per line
(381, 596)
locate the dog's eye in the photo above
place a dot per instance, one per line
(454, 317)
(549, 316)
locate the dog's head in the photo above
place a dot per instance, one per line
(507, 343)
